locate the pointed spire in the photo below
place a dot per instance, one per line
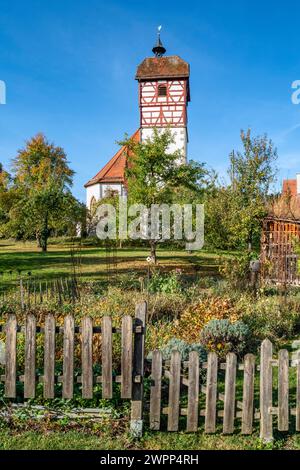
(158, 49)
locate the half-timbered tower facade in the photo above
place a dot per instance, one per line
(164, 94)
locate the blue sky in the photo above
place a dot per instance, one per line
(69, 69)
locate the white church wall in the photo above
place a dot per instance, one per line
(99, 190)
(111, 187)
(92, 192)
(179, 134)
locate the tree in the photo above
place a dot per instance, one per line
(252, 173)
(41, 188)
(235, 212)
(5, 180)
(157, 176)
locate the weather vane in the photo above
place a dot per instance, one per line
(159, 49)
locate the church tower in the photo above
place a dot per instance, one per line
(164, 94)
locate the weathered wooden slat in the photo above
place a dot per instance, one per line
(11, 357)
(174, 391)
(155, 394)
(49, 356)
(298, 393)
(87, 357)
(283, 390)
(211, 393)
(41, 292)
(126, 359)
(68, 364)
(266, 380)
(21, 295)
(193, 392)
(229, 402)
(107, 390)
(248, 394)
(30, 353)
(136, 423)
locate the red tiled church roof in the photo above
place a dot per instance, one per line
(114, 170)
(163, 67)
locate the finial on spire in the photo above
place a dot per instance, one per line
(158, 49)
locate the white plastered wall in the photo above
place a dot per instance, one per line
(180, 138)
(98, 191)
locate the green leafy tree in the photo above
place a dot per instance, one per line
(235, 212)
(41, 188)
(157, 176)
(5, 199)
(252, 173)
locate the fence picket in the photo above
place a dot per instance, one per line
(211, 393)
(30, 353)
(49, 356)
(174, 391)
(248, 394)
(107, 391)
(136, 423)
(87, 357)
(193, 392)
(41, 292)
(126, 359)
(283, 390)
(11, 357)
(155, 395)
(229, 401)
(21, 295)
(266, 378)
(68, 364)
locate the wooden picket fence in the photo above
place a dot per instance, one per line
(191, 382)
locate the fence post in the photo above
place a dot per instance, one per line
(136, 423)
(266, 379)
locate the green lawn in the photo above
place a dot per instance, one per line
(107, 440)
(91, 262)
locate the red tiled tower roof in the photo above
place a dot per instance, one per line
(114, 170)
(163, 67)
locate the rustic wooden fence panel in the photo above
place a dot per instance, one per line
(225, 409)
(131, 368)
(214, 394)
